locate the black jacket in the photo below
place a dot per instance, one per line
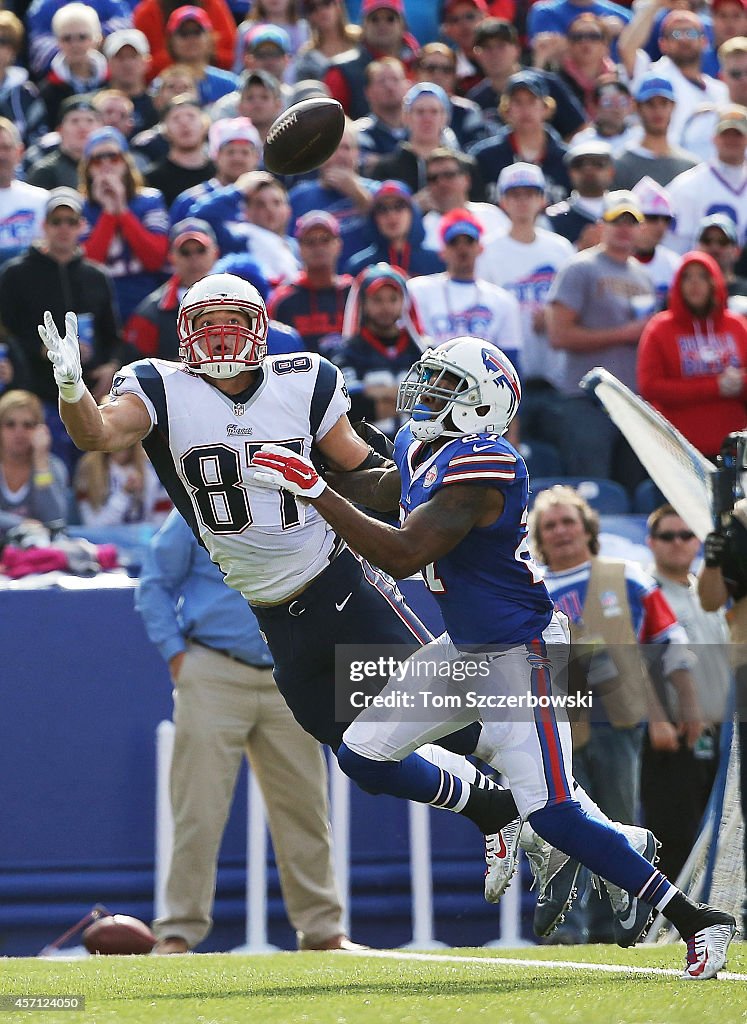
(33, 283)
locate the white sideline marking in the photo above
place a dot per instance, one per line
(576, 965)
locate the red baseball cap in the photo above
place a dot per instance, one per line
(188, 13)
(460, 222)
(481, 6)
(369, 6)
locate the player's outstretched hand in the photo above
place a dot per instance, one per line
(280, 469)
(64, 355)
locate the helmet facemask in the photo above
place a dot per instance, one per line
(223, 350)
(427, 379)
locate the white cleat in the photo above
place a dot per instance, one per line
(708, 948)
(501, 858)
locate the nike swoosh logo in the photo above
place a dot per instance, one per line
(342, 604)
(482, 447)
(695, 972)
(629, 920)
(502, 848)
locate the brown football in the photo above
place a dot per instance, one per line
(304, 136)
(118, 935)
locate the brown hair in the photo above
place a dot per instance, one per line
(652, 523)
(505, 99)
(92, 482)
(370, 70)
(133, 179)
(350, 33)
(560, 494)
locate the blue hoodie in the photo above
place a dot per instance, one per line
(412, 258)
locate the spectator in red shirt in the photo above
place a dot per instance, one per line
(692, 357)
(150, 16)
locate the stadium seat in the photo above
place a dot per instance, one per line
(606, 496)
(647, 497)
(542, 459)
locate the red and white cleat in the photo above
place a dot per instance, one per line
(501, 858)
(707, 949)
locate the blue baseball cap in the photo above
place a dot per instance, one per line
(427, 89)
(652, 85)
(528, 80)
(106, 134)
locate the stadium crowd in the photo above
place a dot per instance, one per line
(566, 179)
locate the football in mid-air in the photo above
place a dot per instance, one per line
(304, 136)
(120, 935)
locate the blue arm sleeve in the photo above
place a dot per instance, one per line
(167, 564)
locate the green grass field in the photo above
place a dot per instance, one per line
(334, 988)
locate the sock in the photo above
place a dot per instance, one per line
(602, 849)
(412, 778)
(457, 764)
(490, 809)
(688, 917)
(415, 778)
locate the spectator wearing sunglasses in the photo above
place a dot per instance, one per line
(549, 22)
(676, 778)
(126, 223)
(659, 262)
(699, 129)
(397, 230)
(717, 235)
(384, 34)
(586, 59)
(683, 42)
(448, 175)
(576, 218)
(459, 22)
(653, 155)
(437, 63)
(692, 357)
(79, 67)
(498, 50)
(114, 15)
(613, 116)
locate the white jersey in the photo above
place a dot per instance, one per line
(661, 269)
(268, 545)
(701, 191)
(449, 308)
(526, 270)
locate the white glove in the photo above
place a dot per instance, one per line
(64, 355)
(280, 469)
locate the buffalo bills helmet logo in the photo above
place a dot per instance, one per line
(503, 378)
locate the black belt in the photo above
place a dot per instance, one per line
(232, 657)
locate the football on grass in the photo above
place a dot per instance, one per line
(118, 935)
(304, 136)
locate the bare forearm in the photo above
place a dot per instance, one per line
(575, 338)
(712, 589)
(377, 489)
(687, 696)
(83, 423)
(385, 546)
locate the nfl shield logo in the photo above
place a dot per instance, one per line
(430, 477)
(238, 410)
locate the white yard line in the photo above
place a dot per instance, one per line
(576, 965)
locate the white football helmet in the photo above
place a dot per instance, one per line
(483, 399)
(222, 350)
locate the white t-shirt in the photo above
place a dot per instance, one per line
(22, 209)
(493, 220)
(449, 309)
(661, 269)
(526, 270)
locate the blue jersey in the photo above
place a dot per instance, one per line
(488, 588)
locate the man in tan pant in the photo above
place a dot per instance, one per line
(226, 705)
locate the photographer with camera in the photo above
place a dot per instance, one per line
(723, 579)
